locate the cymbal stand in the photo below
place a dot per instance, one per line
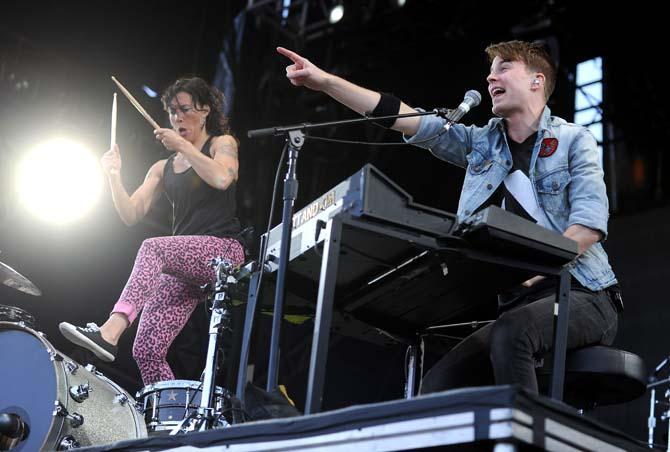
(655, 382)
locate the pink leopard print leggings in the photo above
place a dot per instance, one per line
(165, 286)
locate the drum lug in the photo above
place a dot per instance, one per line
(68, 443)
(55, 356)
(71, 367)
(76, 420)
(121, 399)
(91, 368)
(80, 393)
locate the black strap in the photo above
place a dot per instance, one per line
(388, 105)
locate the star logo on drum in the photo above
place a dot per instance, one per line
(172, 396)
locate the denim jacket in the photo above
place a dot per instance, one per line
(569, 184)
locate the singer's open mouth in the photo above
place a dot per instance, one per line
(497, 91)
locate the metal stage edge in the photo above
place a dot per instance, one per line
(486, 418)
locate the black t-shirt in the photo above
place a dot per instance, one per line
(521, 154)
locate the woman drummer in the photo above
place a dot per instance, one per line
(199, 180)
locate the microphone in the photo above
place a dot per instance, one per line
(472, 99)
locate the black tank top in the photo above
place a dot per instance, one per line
(197, 207)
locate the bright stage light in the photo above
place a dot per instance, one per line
(336, 13)
(59, 181)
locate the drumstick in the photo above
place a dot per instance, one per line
(136, 104)
(112, 141)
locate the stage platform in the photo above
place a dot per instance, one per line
(487, 418)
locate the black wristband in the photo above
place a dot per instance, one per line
(388, 105)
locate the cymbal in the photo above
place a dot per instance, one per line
(12, 278)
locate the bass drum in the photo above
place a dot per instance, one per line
(63, 404)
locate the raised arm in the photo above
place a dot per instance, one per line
(132, 208)
(362, 100)
(219, 170)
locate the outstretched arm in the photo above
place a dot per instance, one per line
(362, 100)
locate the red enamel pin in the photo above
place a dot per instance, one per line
(548, 147)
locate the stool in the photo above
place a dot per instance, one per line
(247, 237)
(599, 375)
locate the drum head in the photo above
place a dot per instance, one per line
(28, 382)
(195, 386)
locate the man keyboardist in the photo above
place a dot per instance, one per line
(533, 164)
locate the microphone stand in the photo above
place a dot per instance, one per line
(295, 136)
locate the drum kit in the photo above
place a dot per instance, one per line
(48, 401)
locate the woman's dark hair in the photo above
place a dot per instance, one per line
(202, 94)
